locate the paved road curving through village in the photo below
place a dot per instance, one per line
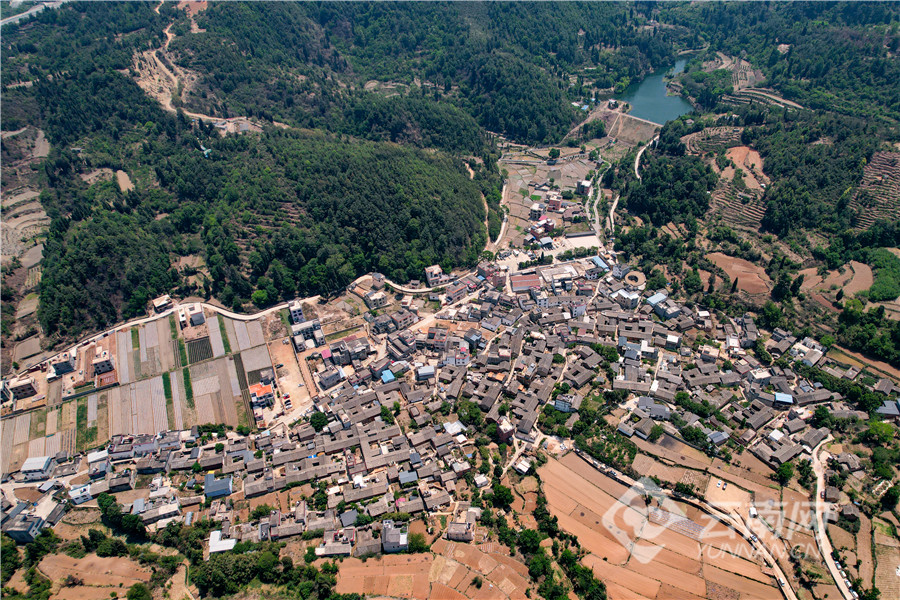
(822, 540)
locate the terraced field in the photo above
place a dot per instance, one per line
(738, 206)
(712, 139)
(878, 196)
(23, 219)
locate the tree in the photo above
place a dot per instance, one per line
(685, 489)
(656, 432)
(502, 496)
(386, 415)
(692, 282)
(417, 543)
(470, 413)
(554, 153)
(529, 541)
(9, 559)
(267, 566)
(771, 316)
(260, 512)
(784, 473)
(133, 525)
(112, 547)
(539, 565)
(871, 594)
(890, 498)
(879, 432)
(805, 472)
(219, 447)
(139, 591)
(761, 353)
(822, 417)
(318, 421)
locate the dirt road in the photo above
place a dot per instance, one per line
(611, 220)
(637, 159)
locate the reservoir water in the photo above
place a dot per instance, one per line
(649, 101)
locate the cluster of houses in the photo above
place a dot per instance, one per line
(516, 346)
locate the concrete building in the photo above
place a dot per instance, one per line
(216, 488)
(38, 467)
(102, 363)
(296, 309)
(21, 387)
(261, 395)
(394, 537)
(435, 276)
(62, 364)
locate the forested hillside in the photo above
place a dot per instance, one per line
(326, 209)
(504, 64)
(825, 55)
(393, 97)
(270, 216)
(814, 160)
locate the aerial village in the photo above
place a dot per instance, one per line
(354, 437)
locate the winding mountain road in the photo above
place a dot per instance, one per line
(637, 159)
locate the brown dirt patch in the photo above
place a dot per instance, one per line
(386, 576)
(719, 592)
(615, 591)
(93, 570)
(693, 584)
(750, 162)
(439, 591)
(96, 175)
(192, 7)
(634, 582)
(811, 279)
(748, 588)
(864, 549)
(888, 560)
(17, 581)
(862, 278)
(28, 494)
(670, 592)
(649, 467)
(826, 591)
(528, 484)
(472, 558)
(82, 516)
(82, 592)
(124, 181)
(735, 564)
(751, 278)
